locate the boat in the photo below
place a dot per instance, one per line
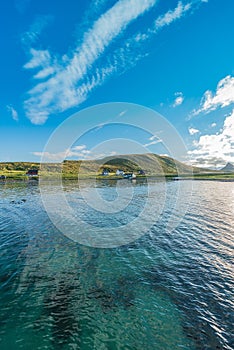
(133, 176)
(129, 176)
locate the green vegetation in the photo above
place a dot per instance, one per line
(151, 164)
(213, 176)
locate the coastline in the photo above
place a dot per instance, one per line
(172, 177)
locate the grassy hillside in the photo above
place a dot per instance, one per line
(18, 166)
(152, 164)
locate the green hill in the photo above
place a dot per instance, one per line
(18, 166)
(150, 163)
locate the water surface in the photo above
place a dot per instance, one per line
(164, 291)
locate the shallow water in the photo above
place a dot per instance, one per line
(164, 291)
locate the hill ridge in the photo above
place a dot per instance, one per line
(149, 162)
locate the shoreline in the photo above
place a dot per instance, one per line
(201, 177)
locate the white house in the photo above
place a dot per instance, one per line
(119, 172)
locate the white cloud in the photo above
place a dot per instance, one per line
(152, 143)
(172, 15)
(179, 99)
(97, 4)
(38, 58)
(61, 91)
(215, 149)
(153, 137)
(69, 81)
(121, 114)
(223, 97)
(164, 155)
(193, 131)
(165, 20)
(35, 30)
(44, 73)
(13, 112)
(141, 37)
(55, 157)
(79, 148)
(79, 152)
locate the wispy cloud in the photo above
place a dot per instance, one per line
(172, 15)
(32, 35)
(152, 143)
(154, 139)
(223, 97)
(66, 82)
(165, 20)
(215, 149)
(77, 152)
(38, 58)
(80, 152)
(13, 112)
(121, 114)
(179, 99)
(61, 91)
(193, 131)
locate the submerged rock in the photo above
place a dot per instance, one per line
(18, 202)
(58, 307)
(121, 295)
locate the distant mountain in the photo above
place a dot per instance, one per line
(229, 168)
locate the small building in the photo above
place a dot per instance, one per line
(141, 172)
(32, 172)
(105, 172)
(119, 172)
(2, 177)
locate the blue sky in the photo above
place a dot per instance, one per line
(59, 57)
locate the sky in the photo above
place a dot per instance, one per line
(175, 57)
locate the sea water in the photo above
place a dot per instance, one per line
(167, 290)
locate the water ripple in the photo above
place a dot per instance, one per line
(164, 291)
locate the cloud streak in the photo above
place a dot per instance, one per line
(35, 30)
(67, 82)
(172, 15)
(154, 139)
(80, 152)
(13, 113)
(60, 91)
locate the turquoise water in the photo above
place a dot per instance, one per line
(164, 291)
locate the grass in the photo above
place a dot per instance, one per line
(14, 174)
(20, 175)
(152, 164)
(222, 176)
